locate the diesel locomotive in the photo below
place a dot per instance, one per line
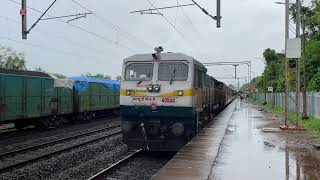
(166, 98)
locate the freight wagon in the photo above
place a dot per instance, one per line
(37, 98)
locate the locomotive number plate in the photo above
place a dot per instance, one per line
(168, 100)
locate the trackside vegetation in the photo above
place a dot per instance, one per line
(273, 74)
(312, 125)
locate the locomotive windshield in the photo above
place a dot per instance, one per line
(139, 72)
(173, 71)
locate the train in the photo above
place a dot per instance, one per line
(166, 98)
(40, 99)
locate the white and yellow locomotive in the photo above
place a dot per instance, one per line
(165, 99)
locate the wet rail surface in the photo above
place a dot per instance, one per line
(30, 156)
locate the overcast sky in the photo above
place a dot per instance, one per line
(248, 27)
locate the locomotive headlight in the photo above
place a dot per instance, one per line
(156, 87)
(177, 129)
(180, 93)
(150, 87)
(128, 93)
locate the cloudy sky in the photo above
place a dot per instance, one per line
(98, 43)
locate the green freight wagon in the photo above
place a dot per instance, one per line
(28, 97)
(95, 96)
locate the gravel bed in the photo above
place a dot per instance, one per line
(80, 163)
(141, 167)
(50, 149)
(34, 137)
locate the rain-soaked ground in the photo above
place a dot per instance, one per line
(248, 153)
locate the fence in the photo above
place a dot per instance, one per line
(277, 99)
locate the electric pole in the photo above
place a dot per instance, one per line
(286, 97)
(235, 70)
(298, 22)
(218, 13)
(305, 114)
(23, 13)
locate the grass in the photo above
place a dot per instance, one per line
(312, 125)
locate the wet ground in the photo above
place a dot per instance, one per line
(249, 153)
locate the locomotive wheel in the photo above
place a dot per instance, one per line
(50, 122)
(19, 125)
(57, 122)
(116, 112)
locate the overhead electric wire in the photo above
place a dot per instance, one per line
(204, 10)
(113, 26)
(80, 28)
(44, 47)
(171, 24)
(74, 43)
(188, 18)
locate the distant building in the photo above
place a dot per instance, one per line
(252, 88)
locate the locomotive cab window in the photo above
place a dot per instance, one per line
(173, 71)
(139, 71)
(198, 77)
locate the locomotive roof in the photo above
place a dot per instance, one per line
(165, 57)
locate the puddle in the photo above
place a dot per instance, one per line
(248, 153)
(258, 117)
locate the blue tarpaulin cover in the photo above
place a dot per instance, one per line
(81, 83)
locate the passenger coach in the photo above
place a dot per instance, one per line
(165, 98)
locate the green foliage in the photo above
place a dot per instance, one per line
(273, 74)
(11, 59)
(59, 76)
(311, 125)
(118, 78)
(96, 75)
(270, 56)
(314, 84)
(39, 69)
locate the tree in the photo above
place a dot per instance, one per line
(11, 59)
(39, 69)
(59, 76)
(96, 75)
(118, 78)
(270, 56)
(314, 84)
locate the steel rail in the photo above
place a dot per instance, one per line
(56, 141)
(115, 165)
(48, 155)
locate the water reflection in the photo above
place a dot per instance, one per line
(248, 153)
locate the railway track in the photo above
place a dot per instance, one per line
(8, 155)
(115, 166)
